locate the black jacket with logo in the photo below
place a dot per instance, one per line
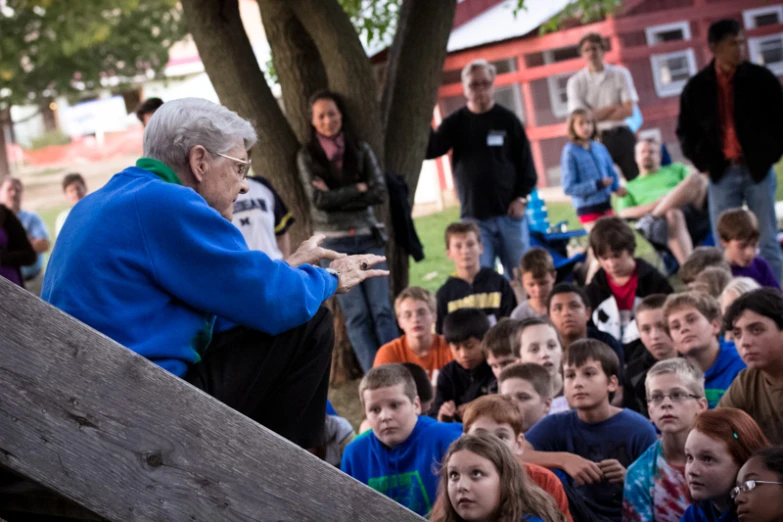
(490, 292)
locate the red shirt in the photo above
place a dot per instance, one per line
(731, 145)
(624, 295)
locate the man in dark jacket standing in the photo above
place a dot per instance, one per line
(493, 167)
(730, 127)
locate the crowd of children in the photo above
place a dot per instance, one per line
(618, 401)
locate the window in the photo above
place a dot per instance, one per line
(762, 16)
(672, 70)
(558, 95)
(668, 33)
(509, 96)
(767, 51)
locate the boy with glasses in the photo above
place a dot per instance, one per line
(655, 485)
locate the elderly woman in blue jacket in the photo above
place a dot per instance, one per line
(152, 258)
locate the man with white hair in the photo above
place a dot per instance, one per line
(11, 191)
(493, 167)
(152, 258)
(670, 202)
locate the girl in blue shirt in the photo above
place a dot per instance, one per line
(587, 172)
(481, 480)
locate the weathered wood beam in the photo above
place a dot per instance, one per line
(104, 427)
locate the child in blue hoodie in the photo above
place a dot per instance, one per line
(693, 319)
(587, 170)
(399, 456)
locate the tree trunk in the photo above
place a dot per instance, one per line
(297, 63)
(410, 92)
(5, 118)
(240, 84)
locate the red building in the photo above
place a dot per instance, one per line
(661, 42)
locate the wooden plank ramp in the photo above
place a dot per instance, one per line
(92, 421)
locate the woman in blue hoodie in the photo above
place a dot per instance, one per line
(719, 443)
(481, 480)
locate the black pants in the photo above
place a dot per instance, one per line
(279, 381)
(620, 142)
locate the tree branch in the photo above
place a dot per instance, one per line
(298, 64)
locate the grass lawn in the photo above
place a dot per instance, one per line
(433, 271)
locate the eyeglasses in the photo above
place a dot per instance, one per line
(677, 397)
(474, 86)
(243, 166)
(749, 486)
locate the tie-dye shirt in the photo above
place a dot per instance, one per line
(655, 491)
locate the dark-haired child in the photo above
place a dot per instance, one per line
(596, 442)
(468, 376)
(472, 286)
(621, 283)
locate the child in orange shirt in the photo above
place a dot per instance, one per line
(415, 309)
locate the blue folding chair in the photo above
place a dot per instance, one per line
(555, 239)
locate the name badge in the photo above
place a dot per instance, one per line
(496, 138)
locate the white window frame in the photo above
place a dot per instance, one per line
(559, 109)
(672, 89)
(749, 15)
(754, 50)
(683, 26)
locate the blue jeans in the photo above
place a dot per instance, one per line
(737, 187)
(369, 319)
(506, 238)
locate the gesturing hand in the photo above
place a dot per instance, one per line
(582, 470)
(613, 470)
(355, 269)
(309, 252)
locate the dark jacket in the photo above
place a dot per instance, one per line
(400, 209)
(758, 113)
(342, 208)
(605, 307)
(18, 252)
(462, 386)
(634, 390)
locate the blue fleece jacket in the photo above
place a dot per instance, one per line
(582, 172)
(721, 374)
(150, 264)
(406, 473)
(706, 512)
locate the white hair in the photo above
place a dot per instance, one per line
(691, 376)
(739, 286)
(179, 125)
(478, 64)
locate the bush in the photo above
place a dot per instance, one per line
(55, 137)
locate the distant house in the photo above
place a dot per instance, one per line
(661, 42)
